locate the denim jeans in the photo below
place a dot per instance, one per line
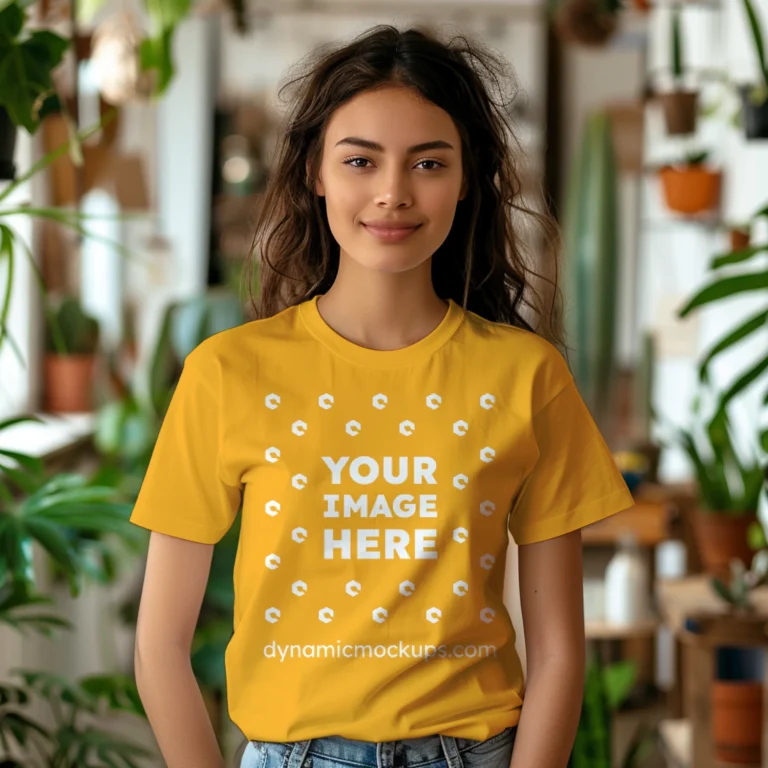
(426, 752)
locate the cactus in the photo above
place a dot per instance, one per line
(591, 270)
(72, 331)
(743, 581)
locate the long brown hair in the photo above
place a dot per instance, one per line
(482, 263)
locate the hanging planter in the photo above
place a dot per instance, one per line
(681, 105)
(586, 22)
(680, 111)
(754, 98)
(690, 187)
(754, 112)
(7, 146)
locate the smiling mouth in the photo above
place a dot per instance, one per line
(391, 233)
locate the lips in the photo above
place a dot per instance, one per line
(389, 232)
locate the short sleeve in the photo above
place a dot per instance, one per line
(183, 493)
(575, 480)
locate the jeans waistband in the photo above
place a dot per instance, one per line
(382, 754)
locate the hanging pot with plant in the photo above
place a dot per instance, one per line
(754, 97)
(586, 22)
(680, 105)
(689, 186)
(70, 361)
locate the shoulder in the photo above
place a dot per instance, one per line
(236, 351)
(536, 366)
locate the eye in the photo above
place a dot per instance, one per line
(436, 162)
(351, 160)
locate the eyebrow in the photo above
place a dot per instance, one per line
(374, 147)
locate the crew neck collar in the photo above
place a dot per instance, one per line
(381, 358)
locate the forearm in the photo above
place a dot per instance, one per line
(175, 708)
(549, 717)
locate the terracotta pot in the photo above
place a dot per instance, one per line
(690, 189)
(68, 381)
(740, 239)
(737, 720)
(721, 537)
(680, 111)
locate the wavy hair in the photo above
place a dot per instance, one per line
(484, 263)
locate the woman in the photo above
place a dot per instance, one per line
(383, 425)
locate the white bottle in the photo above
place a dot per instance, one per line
(627, 597)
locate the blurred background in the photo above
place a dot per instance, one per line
(135, 141)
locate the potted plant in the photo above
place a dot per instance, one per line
(587, 22)
(729, 492)
(79, 525)
(606, 688)
(72, 341)
(733, 284)
(680, 105)
(737, 690)
(754, 97)
(689, 186)
(739, 235)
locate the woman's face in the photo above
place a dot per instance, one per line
(390, 155)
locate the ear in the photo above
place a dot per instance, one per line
(319, 187)
(464, 188)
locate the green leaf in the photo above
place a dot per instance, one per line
(677, 46)
(85, 10)
(736, 257)
(619, 680)
(742, 382)
(11, 22)
(6, 252)
(155, 51)
(741, 332)
(757, 37)
(26, 71)
(727, 286)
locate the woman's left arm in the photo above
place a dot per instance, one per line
(552, 607)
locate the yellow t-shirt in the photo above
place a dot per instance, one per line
(378, 489)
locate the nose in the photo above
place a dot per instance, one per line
(394, 190)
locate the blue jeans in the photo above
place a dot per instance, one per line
(426, 752)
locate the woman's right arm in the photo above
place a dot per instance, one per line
(174, 584)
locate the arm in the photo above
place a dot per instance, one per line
(174, 583)
(552, 606)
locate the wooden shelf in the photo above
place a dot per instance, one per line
(602, 630)
(676, 736)
(647, 520)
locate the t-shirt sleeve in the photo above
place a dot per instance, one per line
(575, 480)
(184, 493)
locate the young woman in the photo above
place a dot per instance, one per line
(383, 425)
